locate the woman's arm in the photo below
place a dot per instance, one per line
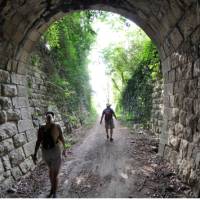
(60, 137)
(37, 145)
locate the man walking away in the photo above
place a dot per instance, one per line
(108, 114)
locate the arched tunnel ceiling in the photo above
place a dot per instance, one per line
(23, 20)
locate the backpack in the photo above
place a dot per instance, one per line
(108, 114)
(47, 140)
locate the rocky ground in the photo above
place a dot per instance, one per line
(129, 167)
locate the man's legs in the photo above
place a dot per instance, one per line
(51, 180)
(107, 132)
(55, 182)
(53, 175)
(111, 134)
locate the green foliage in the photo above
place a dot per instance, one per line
(133, 70)
(68, 42)
(35, 60)
(92, 117)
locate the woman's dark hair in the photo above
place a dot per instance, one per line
(49, 112)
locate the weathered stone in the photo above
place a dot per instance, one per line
(188, 134)
(5, 103)
(26, 165)
(31, 134)
(182, 117)
(191, 121)
(174, 28)
(196, 138)
(184, 170)
(24, 125)
(7, 174)
(1, 167)
(25, 113)
(175, 114)
(190, 150)
(197, 160)
(167, 151)
(22, 67)
(198, 125)
(179, 129)
(171, 131)
(196, 69)
(172, 75)
(22, 91)
(193, 84)
(166, 65)
(196, 36)
(3, 117)
(188, 22)
(12, 65)
(183, 148)
(197, 107)
(9, 90)
(178, 101)
(19, 139)
(176, 38)
(16, 157)
(6, 162)
(4, 76)
(174, 142)
(20, 102)
(13, 115)
(7, 183)
(188, 105)
(168, 89)
(34, 35)
(6, 146)
(16, 173)
(18, 79)
(8, 129)
(29, 148)
(2, 178)
(184, 72)
(193, 178)
(167, 45)
(173, 158)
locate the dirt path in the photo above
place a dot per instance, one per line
(100, 168)
(126, 167)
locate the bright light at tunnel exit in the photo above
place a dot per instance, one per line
(100, 82)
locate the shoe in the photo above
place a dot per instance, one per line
(111, 139)
(54, 195)
(50, 194)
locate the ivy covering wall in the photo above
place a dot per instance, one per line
(62, 55)
(133, 69)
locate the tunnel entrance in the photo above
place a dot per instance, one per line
(172, 25)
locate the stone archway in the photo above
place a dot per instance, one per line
(173, 25)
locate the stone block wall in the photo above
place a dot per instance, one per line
(24, 100)
(174, 26)
(181, 131)
(17, 133)
(156, 122)
(40, 96)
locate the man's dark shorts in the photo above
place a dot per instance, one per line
(109, 124)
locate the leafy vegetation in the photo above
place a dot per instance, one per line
(133, 69)
(67, 43)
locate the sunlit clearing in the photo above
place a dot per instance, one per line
(109, 31)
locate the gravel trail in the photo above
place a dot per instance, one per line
(95, 167)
